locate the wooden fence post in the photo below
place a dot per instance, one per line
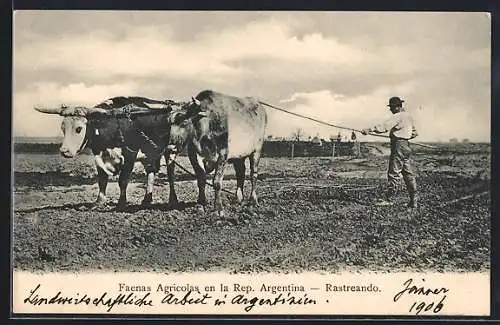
(333, 149)
(293, 149)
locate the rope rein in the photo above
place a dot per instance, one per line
(337, 126)
(319, 121)
(126, 112)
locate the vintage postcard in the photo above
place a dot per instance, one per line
(251, 163)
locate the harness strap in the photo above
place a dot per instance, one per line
(127, 112)
(140, 133)
(86, 139)
(84, 143)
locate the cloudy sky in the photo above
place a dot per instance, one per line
(340, 67)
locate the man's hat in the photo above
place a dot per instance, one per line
(395, 101)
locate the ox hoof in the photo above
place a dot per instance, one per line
(148, 200)
(121, 204)
(171, 205)
(228, 221)
(121, 208)
(173, 202)
(217, 216)
(201, 208)
(100, 206)
(100, 203)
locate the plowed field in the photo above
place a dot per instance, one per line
(313, 214)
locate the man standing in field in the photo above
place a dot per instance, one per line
(401, 129)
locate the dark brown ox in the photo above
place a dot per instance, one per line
(227, 129)
(100, 130)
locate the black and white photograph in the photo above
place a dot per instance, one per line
(249, 143)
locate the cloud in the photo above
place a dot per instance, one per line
(272, 39)
(433, 123)
(140, 54)
(151, 50)
(338, 66)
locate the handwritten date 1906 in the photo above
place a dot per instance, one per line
(422, 306)
(419, 307)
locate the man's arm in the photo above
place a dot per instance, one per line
(414, 132)
(384, 127)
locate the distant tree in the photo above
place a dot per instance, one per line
(270, 137)
(465, 140)
(453, 140)
(297, 134)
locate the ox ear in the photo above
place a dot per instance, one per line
(195, 101)
(50, 110)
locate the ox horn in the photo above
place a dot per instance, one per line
(50, 110)
(197, 102)
(97, 110)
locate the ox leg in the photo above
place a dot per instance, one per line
(172, 196)
(102, 180)
(125, 176)
(201, 176)
(254, 164)
(150, 181)
(219, 175)
(151, 170)
(239, 168)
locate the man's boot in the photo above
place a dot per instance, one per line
(413, 201)
(388, 198)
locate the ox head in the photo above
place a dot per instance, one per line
(196, 109)
(73, 126)
(191, 110)
(181, 130)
